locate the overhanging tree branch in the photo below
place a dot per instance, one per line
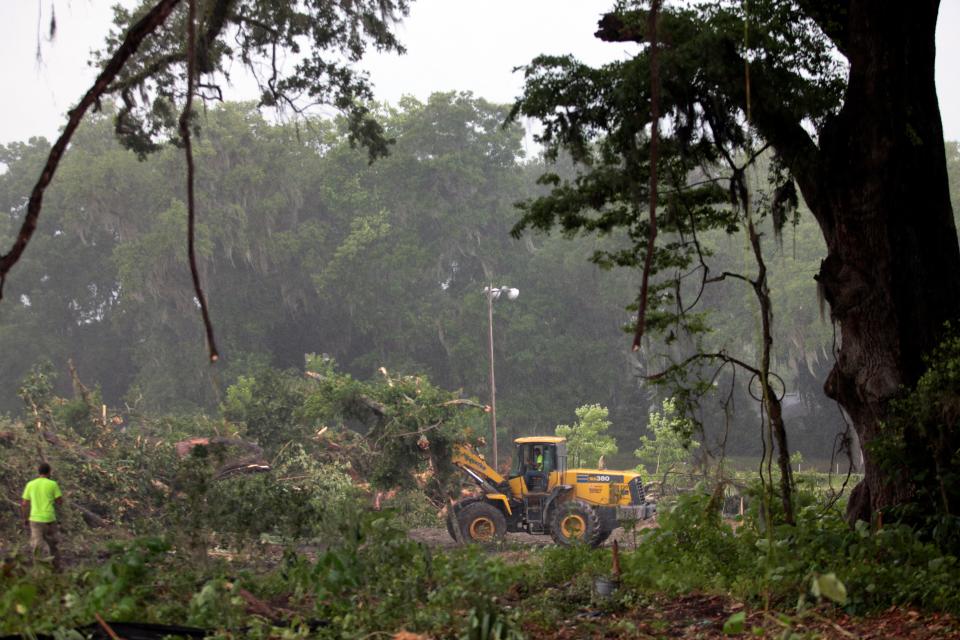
(131, 42)
(772, 118)
(148, 72)
(191, 200)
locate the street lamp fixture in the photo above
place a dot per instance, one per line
(494, 293)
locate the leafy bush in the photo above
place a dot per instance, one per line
(920, 446)
(693, 549)
(368, 580)
(123, 587)
(565, 564)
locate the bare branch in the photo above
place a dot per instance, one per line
(729, 274)
(211, 87)
(718, 355)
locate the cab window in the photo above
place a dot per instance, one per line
(549, 459)
(527, 455)
(522, 460)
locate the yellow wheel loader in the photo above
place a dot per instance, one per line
(542, 496)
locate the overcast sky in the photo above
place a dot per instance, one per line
(452, 44)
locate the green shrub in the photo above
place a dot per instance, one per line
(693, 549)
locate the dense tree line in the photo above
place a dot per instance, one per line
(306, 247)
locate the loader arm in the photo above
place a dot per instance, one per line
(474, 465)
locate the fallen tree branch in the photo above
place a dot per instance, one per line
(466, 403)
(90, 517)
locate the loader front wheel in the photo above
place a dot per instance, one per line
(482, 523)
(453, 522)
(575, 522)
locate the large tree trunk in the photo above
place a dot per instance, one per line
(881, 198)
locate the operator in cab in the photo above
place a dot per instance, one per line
(534, 477)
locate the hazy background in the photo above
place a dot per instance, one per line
(382, 265)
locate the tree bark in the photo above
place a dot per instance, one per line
(881, 199)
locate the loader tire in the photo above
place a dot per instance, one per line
(481, 522)
(452, 514)
(575, 522)
(450, 525)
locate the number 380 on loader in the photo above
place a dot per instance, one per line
(542, 496)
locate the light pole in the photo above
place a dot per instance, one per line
(494, 293)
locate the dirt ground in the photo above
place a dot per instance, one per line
(439, 538)
(702, 616)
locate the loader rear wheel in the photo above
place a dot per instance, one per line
(481, 522)
(575, 522)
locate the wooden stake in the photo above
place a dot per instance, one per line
(106, 627)
(616, 560)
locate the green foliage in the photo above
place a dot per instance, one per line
(560, 565)
(863, 570)
(363, 579)
(407, 424)
(368, 580)
(829, 587)
(735, 623)
(490, 624)
(120, 588)
(269, 404)
(700, 550)
(587, 438)
(412, 508)
(300, 499)
(217, 606)
(326, 37)
(293, 250)
(600, 118)
(671, 443)
(927, 414)
(796, 459)
(36, 390)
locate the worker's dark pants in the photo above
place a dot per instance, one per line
(41, 532)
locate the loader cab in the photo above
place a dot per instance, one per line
(538, 464)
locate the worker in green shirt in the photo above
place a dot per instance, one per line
(38, 507)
